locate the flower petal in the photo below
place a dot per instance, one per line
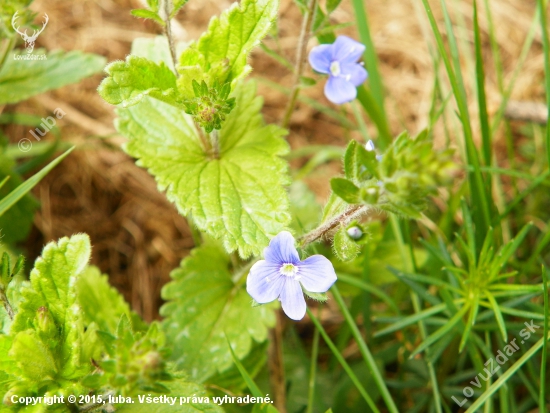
(354, 73)
(281, 249)
(320, 58)
(347, 50)
(338, 90)
(316, 274)
(292, 300)
(265, 282)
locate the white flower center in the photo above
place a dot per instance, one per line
(290, 270)
(335, 69)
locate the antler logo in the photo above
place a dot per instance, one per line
(29, 40)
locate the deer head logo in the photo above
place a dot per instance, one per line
(29, 40)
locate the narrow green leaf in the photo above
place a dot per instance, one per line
(20, 80)
(412, 319)
(343, 363)
(26, 186)
(365, 352)
(506, 376)
(442, 331)
(481, 96)
(147, 14)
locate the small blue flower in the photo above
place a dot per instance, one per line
(339, 61)
(281, 275)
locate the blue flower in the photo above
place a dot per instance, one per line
(281, 275)
(339, 61)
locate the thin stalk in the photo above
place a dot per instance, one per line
(343, 362)
(168, 31)
(360, 120)
(7, 305)
(305, 34)
(313, 368)
(365, 352)
(344, 218)
(417, 308)
(542, 6)
(542, 400)
(276, 363)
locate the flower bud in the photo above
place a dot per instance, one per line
(355, 232)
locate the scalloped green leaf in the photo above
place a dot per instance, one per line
(130, 81)
(237, 196)
(221, 52)
(22, 79)
(204, 306)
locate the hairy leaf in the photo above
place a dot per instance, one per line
(221, 52)
(130, 81)
(100, 302)
(236, 195)
(22, 79)
(205, 306)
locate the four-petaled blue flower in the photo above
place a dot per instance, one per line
(339, 61)
(281, 275)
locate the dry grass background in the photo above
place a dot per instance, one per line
(137, 234)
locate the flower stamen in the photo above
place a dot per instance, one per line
(335, 68)
(289, 270)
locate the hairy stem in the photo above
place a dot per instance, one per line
(305, 34)
(7, 305)
(168, 33)
(351, 213)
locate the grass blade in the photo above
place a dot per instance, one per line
(343, 362)
(365, 352)
(542, 399)
(441, 332)
(481, 96)
(542, 6)
(504, 378)
(19, 192)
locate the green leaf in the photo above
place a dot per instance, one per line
(22, 79)
(204, 307)
(48, 322)
(345, 189)
(147, 14)
(94, 292)
(52, 281)
(41, 366)
(238, 195)
(332, 5)
(7, 202)
(16, 222)
(131, 81)
(221, 52)
(344, 247)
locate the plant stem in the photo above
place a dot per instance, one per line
(7, 305)
(313, 367)
(305, 34)
(353, 212)
(276, 363)
(168, 32)
(343, 362)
